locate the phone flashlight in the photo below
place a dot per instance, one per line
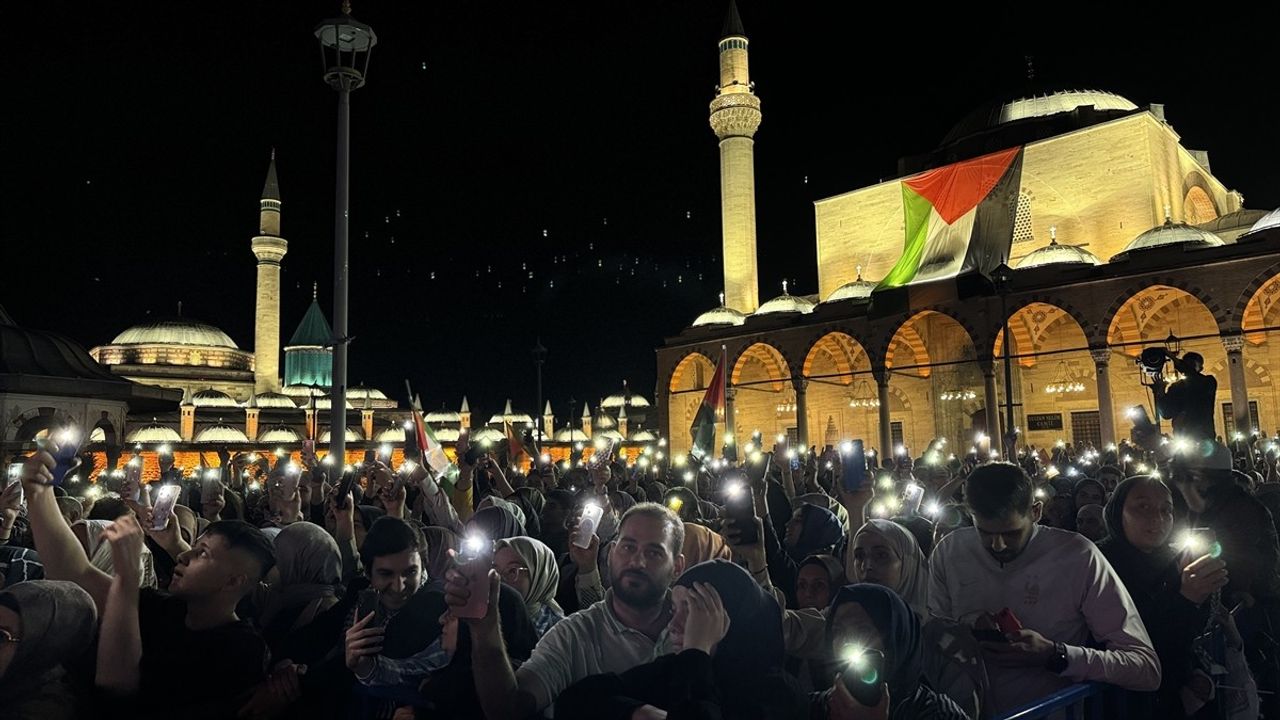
(675, 504)
(473, 544)
(733, 490)
(932, 509)
(901, 450)
(326, 460)
(688, 476)
(165, 449)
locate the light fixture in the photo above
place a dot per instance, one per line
(949, 395)
(1064, 382)
(863, 396)
(787, 406)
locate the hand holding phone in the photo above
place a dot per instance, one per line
(863, 674)
(739, 506)
(591, 514)
(475, 559)
(65, 449)
(166, 498)
(853, 466)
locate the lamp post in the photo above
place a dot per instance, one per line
(539, 357)
(1001, 277)
(345, 47)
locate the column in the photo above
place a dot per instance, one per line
(992, 400)
(802, 410)
(886, 428)
(251, 423)
(1234, 345)
(1106, 412)
(729, 394)
(366, 424)
(187, 422)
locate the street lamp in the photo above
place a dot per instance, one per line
(345, 47)
(539, 357)
(1001, 276)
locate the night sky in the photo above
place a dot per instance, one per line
(519, 169)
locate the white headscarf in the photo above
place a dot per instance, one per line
(913, 583)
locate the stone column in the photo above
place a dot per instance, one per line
(886, 428)
(729, 395)
(366, 423)
(1234, 345)
(802, 410)
(251, 423)
(992, 400)
(1106, 411)
(187, 422)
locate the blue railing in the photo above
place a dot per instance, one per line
(1093, 701)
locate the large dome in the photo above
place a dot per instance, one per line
(1055, 254)
(1266, 222)
(181, 331)
(221, 434)
(999, 113)
(154, 433)
(1170, 233)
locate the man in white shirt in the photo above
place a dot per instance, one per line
(1064, 593)
(626, 629)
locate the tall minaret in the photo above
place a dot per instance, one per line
(269, 248)
(735, 115)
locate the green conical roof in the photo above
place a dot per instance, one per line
(314, 328)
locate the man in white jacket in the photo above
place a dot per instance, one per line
(1079, 623)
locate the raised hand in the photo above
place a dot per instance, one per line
(1202, 577)
(126, 539)
(363, 643)
(705, 621)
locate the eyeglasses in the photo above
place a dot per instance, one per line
(8, 637)
(512, 574)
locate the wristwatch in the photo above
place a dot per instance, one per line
(1057, 663)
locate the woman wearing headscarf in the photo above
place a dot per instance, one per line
(494, 523)
(1088, 491)
(530, 501)
(885, 553)
(811, 530)
(529, 566)
(737, 676)
(44, 624)
(702, 544)
(310, 568)
(873, 617)
(440, 541)
(1170, 600)
(818, 579)
(514, 509)
(683, 502)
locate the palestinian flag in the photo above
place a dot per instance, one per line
(432, 452)
(515, 446)
(703, 429)
(958, 220)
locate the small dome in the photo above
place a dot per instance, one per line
(604, 421)
(353, 435)
(180, 331)
(515, 418)
(720, 316)
(447, 435)
(628, 400)
(280, 434)
(857, 289)
(154, 433)
(643, 436)
(273, 400)
(1055, 254)
(393, 434)
(487, 435)
(611, 435)
(785, 303)
(326, 402)
(360, 393)
(303, 391)
(444, 416)
(221, 434)
(1266, 222)
(1171, 233)
(570, 435)
(210, 398)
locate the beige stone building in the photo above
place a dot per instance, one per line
(1121, 238)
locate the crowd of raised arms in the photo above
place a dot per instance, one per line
(935, 582)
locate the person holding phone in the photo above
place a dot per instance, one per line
(872, 617)
(1078, 622)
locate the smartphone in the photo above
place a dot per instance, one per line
(738, 506)
(309, 453)
(863, 675)
(384, 454)
(345, 486)
(912, 496)
(984, 446)
(474, 561)
(210, 487)
(603, 455)
(13, 475)
(1007, 622)
(989, 635)
(369, 601)
(853, 466)
(591, 514)
(66, 456)
(166, 498)
(1198, 542)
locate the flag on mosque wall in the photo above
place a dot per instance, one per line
(958, 219)
(703, 428)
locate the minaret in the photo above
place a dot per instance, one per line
(735, 115)
(269, 248)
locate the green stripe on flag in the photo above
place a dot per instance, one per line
(704, 432)
(916, 210)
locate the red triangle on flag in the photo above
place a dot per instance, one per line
(958, 188)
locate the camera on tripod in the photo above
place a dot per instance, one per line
(1152, 360)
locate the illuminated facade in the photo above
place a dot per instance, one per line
(1121, 238)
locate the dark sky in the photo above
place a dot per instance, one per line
(137, 135)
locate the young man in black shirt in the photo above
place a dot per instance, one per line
(155, 647)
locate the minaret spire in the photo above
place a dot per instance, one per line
(269, 248)
(735, 116)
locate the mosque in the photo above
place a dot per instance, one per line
(1074, 222)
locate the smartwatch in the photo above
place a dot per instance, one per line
(1057, 663)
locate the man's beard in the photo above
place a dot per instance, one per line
(649, 595)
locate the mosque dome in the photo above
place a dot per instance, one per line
(325, 402)
(210, 398)
(720, 316)
(626, 399)
(487, 435)
(1170, 233)
(570, 435)
(785, 303)
(611, 435)
(179, 331)
(280, 434)
(604, 421)
(393, 434)
(447, 435)
(1056, 254)
(353, 435)
(444, 416)
(1003, 112)
(1266, 222)
(360, 393)
(154, 433)
(273, 400)
(221, 434)
(856, 289)
(643, 436)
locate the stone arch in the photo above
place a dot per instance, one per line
(1221, 315)
(845, 351)
(775, 362)
(1198, 206)
(1031, 324)
(907, 332)
(1248, 311)
(30, 424)
(694, 370)
(689, 378)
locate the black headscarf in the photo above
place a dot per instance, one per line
(1139, 570)
(57, 623)
(1075, 489)
(369, 514)
(899, 630)
(753, 646)
(820, 530)
(689, 508)
(779, 507)
(497, 523)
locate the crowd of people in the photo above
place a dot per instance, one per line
(941, 583)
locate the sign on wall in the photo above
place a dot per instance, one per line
(1044, 421)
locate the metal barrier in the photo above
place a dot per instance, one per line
(1085, 701)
